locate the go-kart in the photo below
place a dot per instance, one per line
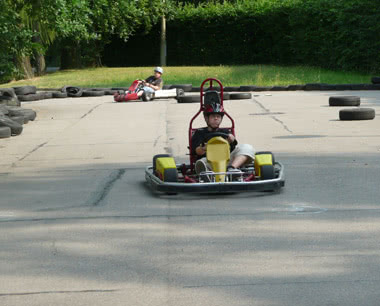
(264, 174)
(138, 85)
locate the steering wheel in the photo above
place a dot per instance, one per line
(214, 134)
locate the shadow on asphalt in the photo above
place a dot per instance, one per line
(238, 247)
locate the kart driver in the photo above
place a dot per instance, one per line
(240, 154)
(152, 83)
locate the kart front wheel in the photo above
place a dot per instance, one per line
(267, 172)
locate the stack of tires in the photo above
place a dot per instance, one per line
(28, 93)
(8, 97)
(12, 119)
(350, 114)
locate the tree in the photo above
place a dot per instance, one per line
(110, 18)
(15, 41)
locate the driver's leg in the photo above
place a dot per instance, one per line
(201, 165)
(241, 155)
(146, 89)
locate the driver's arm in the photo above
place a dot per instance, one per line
(152, 86)
(197, 144)
(201, 150)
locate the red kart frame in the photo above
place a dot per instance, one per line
(192, 130)
(130, 95)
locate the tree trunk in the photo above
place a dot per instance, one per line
(163, 41)
(38, 55)
(40, 64)
(23, 63)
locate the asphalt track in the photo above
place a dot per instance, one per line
(80, 227)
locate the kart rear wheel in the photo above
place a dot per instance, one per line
(267, 172)
(147, 96)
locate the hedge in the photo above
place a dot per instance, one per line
(340, 34)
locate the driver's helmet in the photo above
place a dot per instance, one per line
(159, 69)
(214, 108)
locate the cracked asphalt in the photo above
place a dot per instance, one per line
(79, 226)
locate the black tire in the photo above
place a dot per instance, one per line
(267, 172)
(31, 97)
(180, 93)
(4, 109)
(313, 86)
(267, 152)
(98, 89)
(248, 88)
(375, 80)
(240, 96)
(344, 101)
(147, 96)
(59, 95)
(18, 119)
(226, 96)
(296, 87)
(72, 91)
(25, 90)
(185, 87)
(189, 99)
(279, 88)
(47, 94)
(171, 175)
(358, 86)
(155, 158)
(110, 92)
(5, 132)
(343, 87)
(10, 92)
(357, 114)
(16, 128)
(92, 93)
(25, 112)
(231, 88)
(195, 89)
(167, 86)
(9, 101)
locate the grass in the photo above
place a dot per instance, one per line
(261, 75)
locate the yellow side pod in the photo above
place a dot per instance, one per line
(218, 155)
(262, 159)
(167, 168)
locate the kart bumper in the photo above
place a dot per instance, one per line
(158, 185)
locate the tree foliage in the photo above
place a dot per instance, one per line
(33, 25)
(15, 41)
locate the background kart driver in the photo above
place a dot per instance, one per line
(152, 83)
(240, 154)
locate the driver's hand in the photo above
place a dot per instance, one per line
(204, 147)
(231, 138)
(201, 150)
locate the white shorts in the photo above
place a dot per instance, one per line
(241, 149)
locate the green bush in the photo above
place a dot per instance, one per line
(340, 34)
